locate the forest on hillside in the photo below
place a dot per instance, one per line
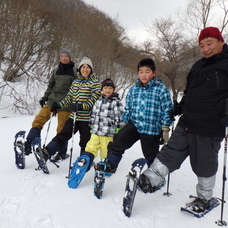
(33, 32)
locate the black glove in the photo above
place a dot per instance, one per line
(74, 107)
(54, 107)
(43, 101)
(176, 110)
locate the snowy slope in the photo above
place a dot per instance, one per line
(31, 199)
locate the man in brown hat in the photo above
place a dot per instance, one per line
(199, 131)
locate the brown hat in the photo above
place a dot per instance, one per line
(210, 32)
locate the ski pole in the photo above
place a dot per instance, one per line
(49, 124)
(167, 193)
(72, 144)
(221, 222)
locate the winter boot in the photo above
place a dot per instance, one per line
(105, 166)
(59, 157)
(83, 161)
(28, 149)
(46, 154)
(145, 185)
(200, 205)
(52, 147)
(33, 133)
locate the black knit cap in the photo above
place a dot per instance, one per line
(147, 62)
(108, 82)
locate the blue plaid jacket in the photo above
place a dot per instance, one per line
(147, 107)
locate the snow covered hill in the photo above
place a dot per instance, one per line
(32, 199)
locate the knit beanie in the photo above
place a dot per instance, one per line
(210, 32)
(65, 51)
(147, 62)
(86, 60)
(108, 82)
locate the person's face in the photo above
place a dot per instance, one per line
(146, 74)
(210, 46)
(108, 90)
(64, 58)
(85, 70)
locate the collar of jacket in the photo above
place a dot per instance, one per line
(90, 77)
(114, 96)
(151, 83)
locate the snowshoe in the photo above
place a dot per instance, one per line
(199, 207)
(19, 150)
(131, 185)
(80, 167)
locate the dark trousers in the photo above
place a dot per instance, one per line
(66, 133)
(125, 138)
(203, 152)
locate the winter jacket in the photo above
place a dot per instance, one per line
(147, 107)
(84, 90)
(203, 103)
(106, 115)
(59, 83)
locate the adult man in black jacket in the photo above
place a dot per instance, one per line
(199, 131)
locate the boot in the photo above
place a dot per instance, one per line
(200, 205)
(105, 166)
(145, 185)
(28, 149)
(59, 156)
(33, 133)
(46, 154)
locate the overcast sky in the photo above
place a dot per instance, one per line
(133, 15)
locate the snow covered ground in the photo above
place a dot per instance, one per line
(32, 199)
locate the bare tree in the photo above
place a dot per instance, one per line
(202, 13)
(33, 32)
(171, 51)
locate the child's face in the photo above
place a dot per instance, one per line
(85, 70)
(108, 90)
(146, 74)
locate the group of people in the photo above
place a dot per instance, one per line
(82, 104)
(95, 110)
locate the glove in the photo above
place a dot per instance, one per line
(224, 121)
(43, 101)
(74, 107)
(165, 133)
(117, 130)
(176, 110)
(54, 107)
(91, 129)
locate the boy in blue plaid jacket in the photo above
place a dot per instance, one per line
(146, 117)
